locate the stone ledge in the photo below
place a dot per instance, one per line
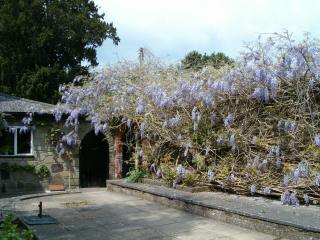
(259, 214)
(159, 182)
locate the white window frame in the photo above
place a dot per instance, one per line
(15, 144)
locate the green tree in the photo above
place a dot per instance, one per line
(44, 42)
(195, 60)
(192, 60)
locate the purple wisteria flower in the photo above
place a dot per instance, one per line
(207, 152)
(279, 163)
(140, 153)
(132, 90)
(12, 130)
(266, 190)
(219, 141)
(74, 113)
(314, 116)
(27, 120)
(60, 149)
(165, 124)
(140, 108)
(286, 180)
(317, 140)
(213, 118)
(23, 130)
(303, 169)
(211, 175)
(274, 87)
(232, 140)
(288, 198)
(194, 114)
(129, 123)
(261, 94)
(232, 178)
(98, 128)
(317, 180)
(57, 114)
(153, 168)
(274, 152)
(288, 125)
(306, 199)
(181, 171)
(159, 173)
(174, 122)
(70, 139)
(195, 126)
(285, 198)
(253, 189)
(254, 140)
(187, 148)
(4, 125)
(229, 120)
(142, 129)
(263, 166)
(256, 162)
(311, 83)
(295, 176)
(248, 166)
(294, 200)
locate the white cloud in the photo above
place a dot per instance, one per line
(171, 28)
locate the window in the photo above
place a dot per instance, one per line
(16, 141)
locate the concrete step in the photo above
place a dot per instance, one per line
(256, 213)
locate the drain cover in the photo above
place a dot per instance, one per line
(35, 220)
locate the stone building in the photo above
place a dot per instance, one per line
(89, 164)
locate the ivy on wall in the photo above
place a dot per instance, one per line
(40, 170)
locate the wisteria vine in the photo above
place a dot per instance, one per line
(249, 128)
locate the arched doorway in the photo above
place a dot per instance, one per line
(93, 160)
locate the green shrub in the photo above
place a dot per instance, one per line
(135, 175)
(42, 171)
(190, 179)
(169, 174)
(10, 231)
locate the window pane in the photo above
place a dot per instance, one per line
(6, 143)
(23, 142)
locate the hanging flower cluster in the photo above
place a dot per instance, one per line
(256, 120)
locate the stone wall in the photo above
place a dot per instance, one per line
(63, 170)
(19, 181)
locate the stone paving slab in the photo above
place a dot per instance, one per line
(304, 217)
(260, 214)
(98, 214)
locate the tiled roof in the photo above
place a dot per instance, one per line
(12, 104)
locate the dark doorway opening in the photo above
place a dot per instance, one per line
(94, 160)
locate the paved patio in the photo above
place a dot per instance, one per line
(98, 214)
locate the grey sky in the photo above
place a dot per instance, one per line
(172, 28)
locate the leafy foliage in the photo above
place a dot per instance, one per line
(196, 61)
(10, 231)
(42, 44)
(134, 175)
(42, 171)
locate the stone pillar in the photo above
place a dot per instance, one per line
(118, 152)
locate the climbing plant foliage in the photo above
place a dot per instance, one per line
(250, 128)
